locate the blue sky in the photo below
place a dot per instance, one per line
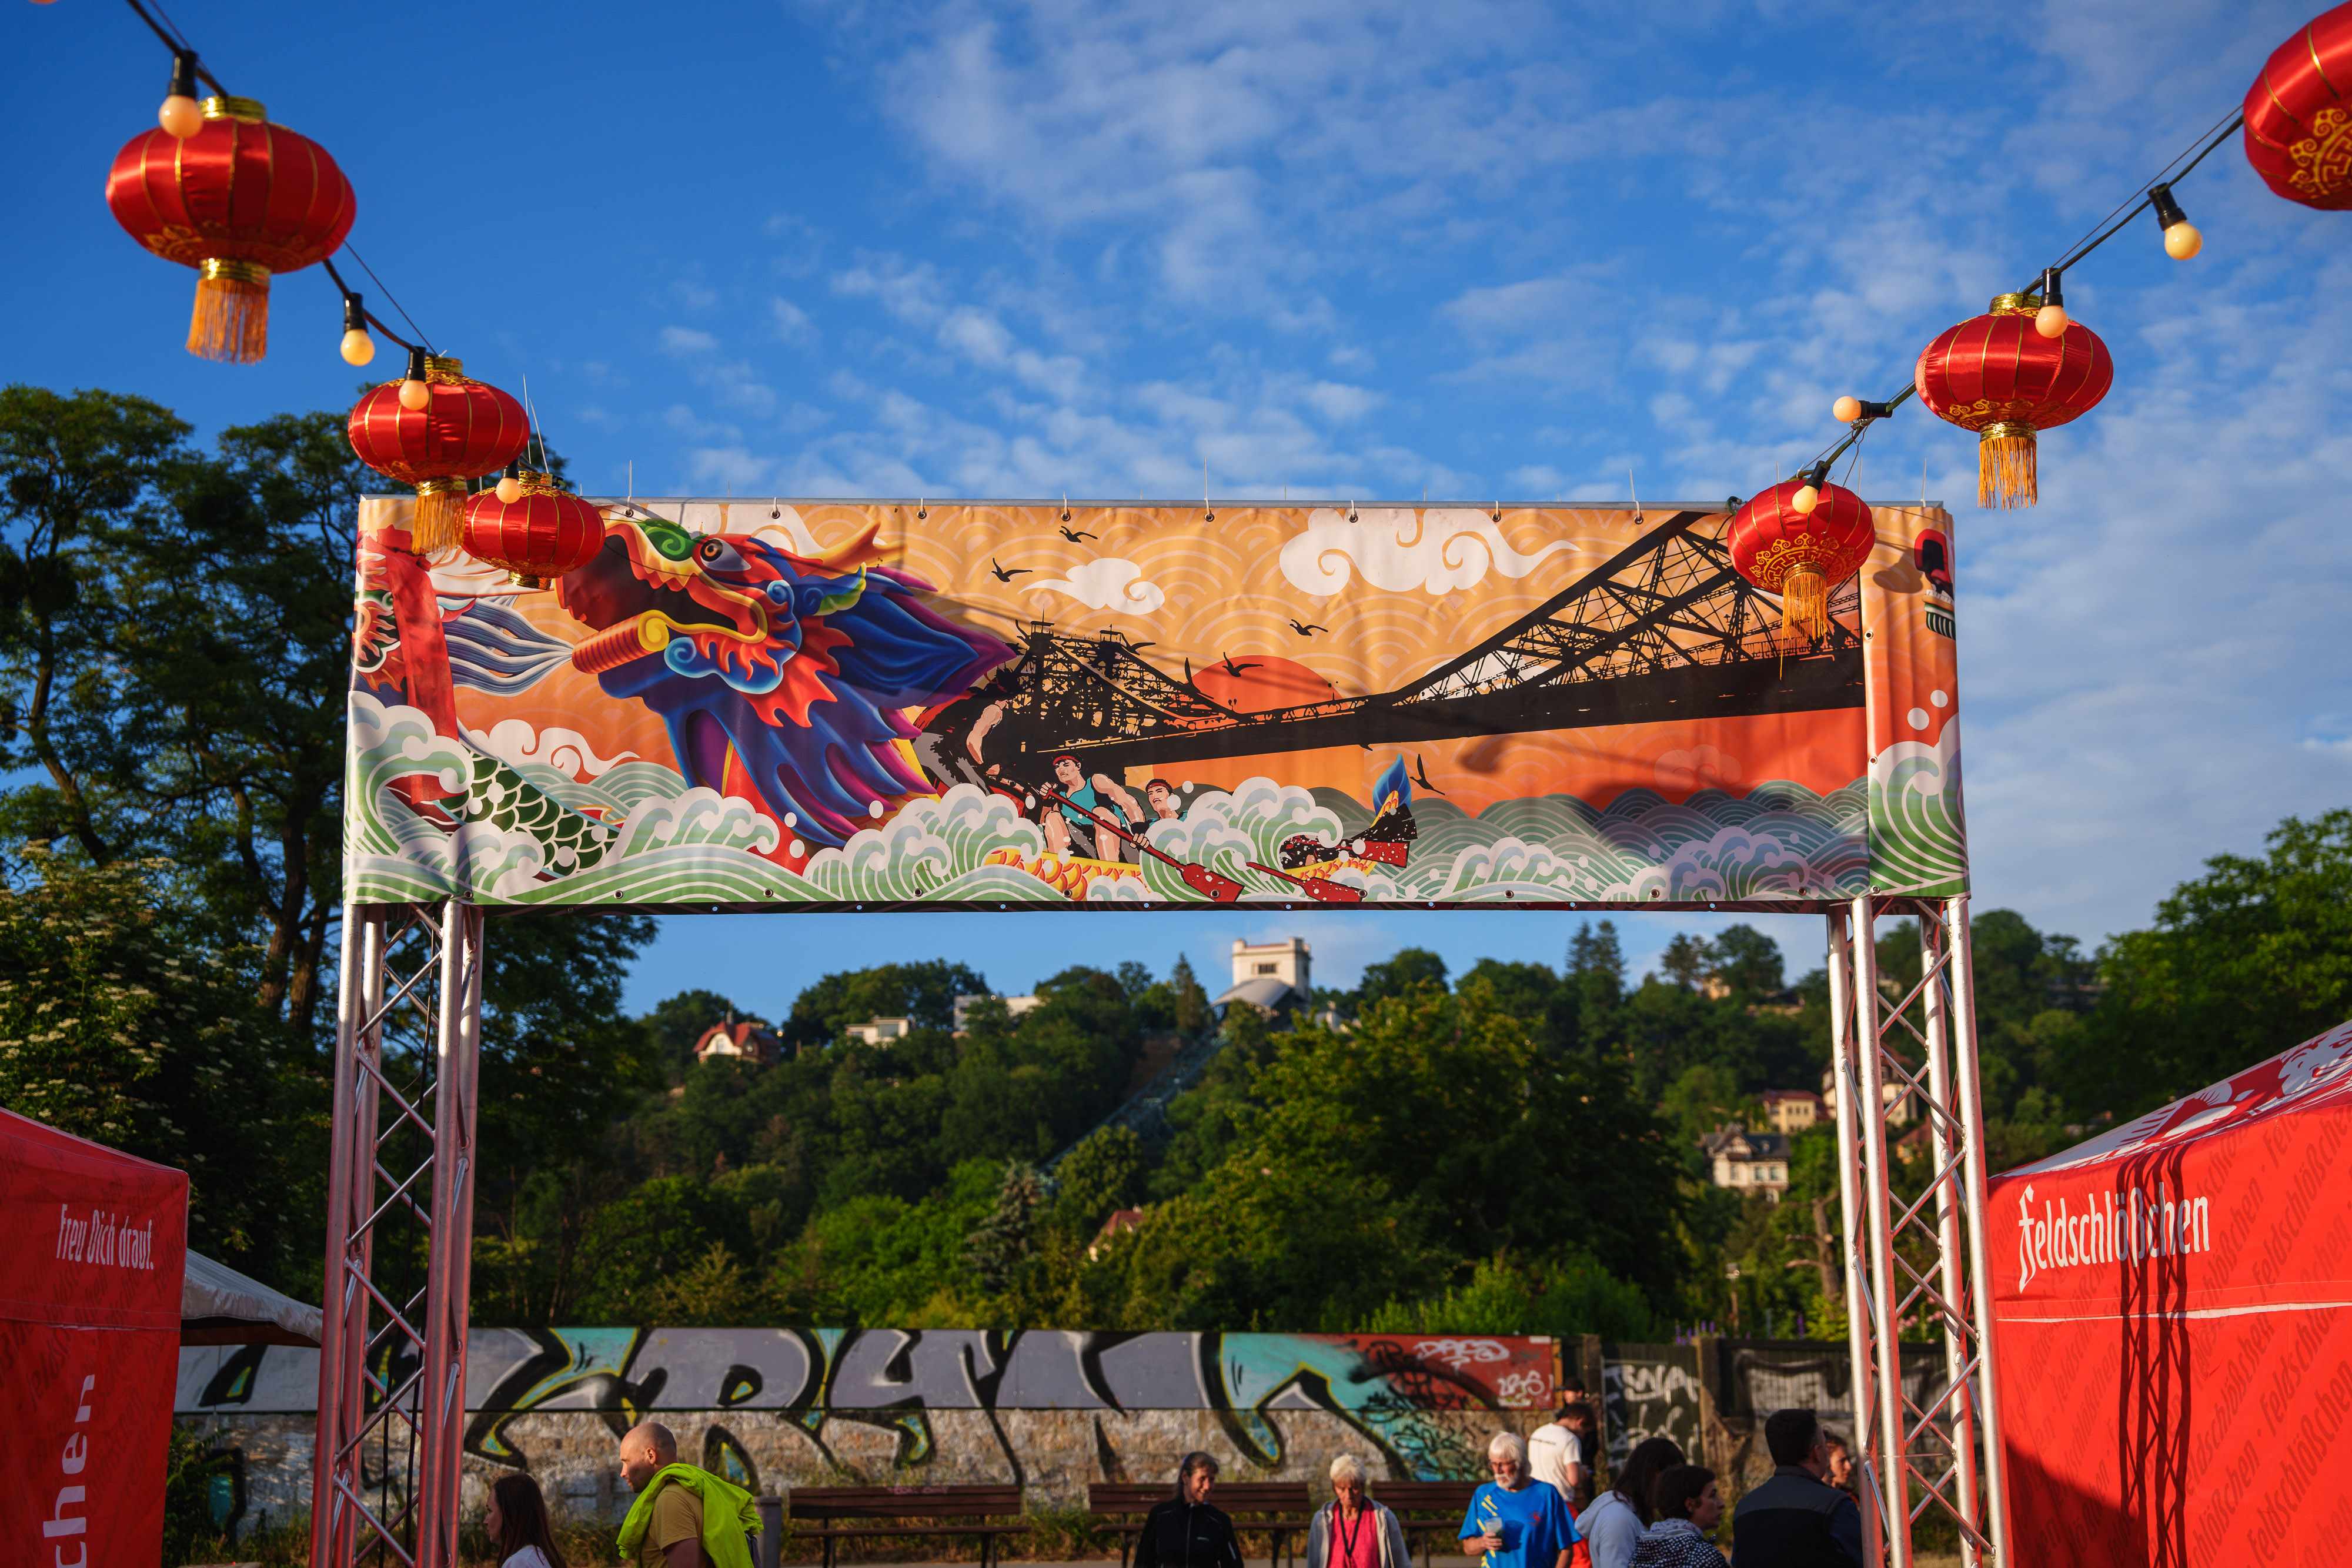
(1355, 250)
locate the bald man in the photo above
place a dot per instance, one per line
(673, 1538)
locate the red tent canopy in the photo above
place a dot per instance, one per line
(2175, 1322)
(89, 1336)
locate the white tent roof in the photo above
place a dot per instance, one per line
(220, 1306)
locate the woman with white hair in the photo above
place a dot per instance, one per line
(1512, 1521)
(1351, 1531)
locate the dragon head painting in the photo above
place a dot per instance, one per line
(782, 677)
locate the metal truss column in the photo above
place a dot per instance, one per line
(1920, 1259)
(449, 1279)
(1853, 1254)
(407, 1038)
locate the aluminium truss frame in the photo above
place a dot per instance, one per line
(391, 1371)
(1918, 1263)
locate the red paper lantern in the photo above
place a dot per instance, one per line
(1801, 555)
(544, 533)
(238, 201)
(2298, 119)
(1999, 377)
(467, 428)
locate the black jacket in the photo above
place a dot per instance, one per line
(1179, 1534)
(1796, 1522)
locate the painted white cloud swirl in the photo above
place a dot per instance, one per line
(1399, 548)
(1111, 583)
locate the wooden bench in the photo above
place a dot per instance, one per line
(1122, 1506)
(902, 1504)
(1424, 1508)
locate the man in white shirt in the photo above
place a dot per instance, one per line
(1556, 1451)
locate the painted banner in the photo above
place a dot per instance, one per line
(841, 705)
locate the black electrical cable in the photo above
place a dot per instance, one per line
(371, 319)
(388, 294)
(2145, 198)
(178, 45)
(2209, 142)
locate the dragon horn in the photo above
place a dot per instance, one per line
(859, 550)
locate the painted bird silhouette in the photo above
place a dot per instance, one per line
(1420, 777)
(1075, 535)
(1002, 575)
(1232, 669)
(1303, 630)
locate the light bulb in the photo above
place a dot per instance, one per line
(510, 490)
(415, 395)
(1846, 410)
(1805, 500)
(2050, 321)
(358, 347)
(2182, 239)
(180, 117)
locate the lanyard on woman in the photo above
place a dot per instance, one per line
(1346, 1532)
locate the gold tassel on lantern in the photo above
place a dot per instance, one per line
(1805, 603)
(2006, 470)
(231, 320)
(440, 515)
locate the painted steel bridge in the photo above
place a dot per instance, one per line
(1664, 630)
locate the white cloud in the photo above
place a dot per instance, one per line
(686, 340)
(792, 324)
(1398, 548)
(1109, 583)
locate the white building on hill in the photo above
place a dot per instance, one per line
(1272, 976)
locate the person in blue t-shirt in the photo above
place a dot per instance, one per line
(1512, 1521)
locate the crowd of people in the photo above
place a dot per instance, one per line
(1537, 1510)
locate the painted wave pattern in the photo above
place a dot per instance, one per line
(532, 834)
(526, 833)
(1919, 836)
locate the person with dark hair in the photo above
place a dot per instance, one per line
(1688, 1506)
(1556, 1451)
(1159, 797)
(1841, 1471)
(518, 1526)
(1188, 1531)
(1796, 1519)
(1614, 1522)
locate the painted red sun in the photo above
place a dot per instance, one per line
(1265, 682)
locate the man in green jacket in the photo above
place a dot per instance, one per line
(684, 1517)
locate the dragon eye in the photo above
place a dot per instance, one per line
(711, 550)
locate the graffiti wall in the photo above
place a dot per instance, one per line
(1051, 1411)
(835, 704)
(1046, 1409)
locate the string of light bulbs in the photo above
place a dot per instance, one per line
(2182, 241)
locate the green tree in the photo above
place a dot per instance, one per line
(1382, 1162)
(1192, 1010)
(924, 992)
(74, 472)
(1102, 1173)
(1001, 1242)
(1409, 970)
(234, 601)
(127, 1020)
(2241, 963)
